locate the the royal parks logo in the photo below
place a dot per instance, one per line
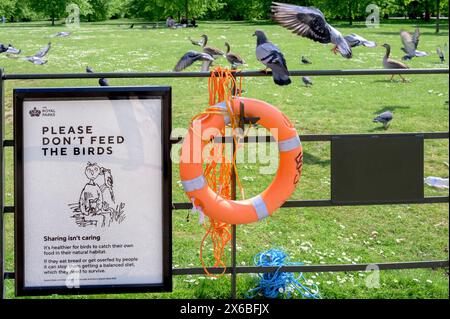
(44, 112)
(35, 112)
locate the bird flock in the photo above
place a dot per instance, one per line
(307, 22)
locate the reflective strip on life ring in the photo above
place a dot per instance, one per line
(200, 133)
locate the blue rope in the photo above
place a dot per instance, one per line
(274, 284)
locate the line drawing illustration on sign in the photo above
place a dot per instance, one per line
(97, 205)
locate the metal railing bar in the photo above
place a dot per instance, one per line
(317, 268)
(303, 268)
(303, 138)
(312, 203)
(330, 203)
(10, 275)
(8, 209)
(321, 137)
(253, 73)
(8, 143)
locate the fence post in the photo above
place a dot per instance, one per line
(233, 197)
(2, 171)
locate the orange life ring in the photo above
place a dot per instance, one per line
(258, 207)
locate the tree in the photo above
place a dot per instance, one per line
(57, 8)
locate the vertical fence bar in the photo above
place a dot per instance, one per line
(233, 227)
(2, 171)
(233, 230)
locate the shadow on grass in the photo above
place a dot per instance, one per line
(392, 81)
(391, 108)
(379, 129)
(314, 160)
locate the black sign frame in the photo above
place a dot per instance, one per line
(86, 93)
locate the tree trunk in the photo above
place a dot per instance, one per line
(53, 20)
(438, 15)
(427, 10)
(186, 8)
(350, 17)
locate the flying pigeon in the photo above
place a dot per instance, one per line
(199, 42)
(101, 81)
(62, 34)
(355, 40)
(389, 63)
(385, 118)
(305, 60)
(307, 81)
(234, 59)
(441, 55)
(410, 44)
(271, 57)
(310, 23)
(9, 49)
(38, 57)
(192, 56)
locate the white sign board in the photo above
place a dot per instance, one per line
(91, 190)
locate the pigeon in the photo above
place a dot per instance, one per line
(234, 59)
(307, 81)
(199, 42)
(410, 44)
(214, 52)
(271, 57)
(9, 49)
(62, 34)
(310, 23)
(385, 118)
(101, 81)
(192, 56)
(355, 40)
(389, 63)
(441, 55)
(38, 57)
(305, 60)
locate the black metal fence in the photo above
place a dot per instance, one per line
(233, 269)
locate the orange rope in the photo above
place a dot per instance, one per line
(221, 85)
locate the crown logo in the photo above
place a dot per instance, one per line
(35, 112)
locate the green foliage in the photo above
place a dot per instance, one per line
(98, 10)
(57, 8)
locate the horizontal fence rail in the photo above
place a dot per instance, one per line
(303, 268)
(56, 76)
(233, 269)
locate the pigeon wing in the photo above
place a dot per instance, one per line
(189, 58)
(206, 65)
(43, 51)
(303, 21)
(408, 43)
(12, 50)
(264, 50)
(415, 38)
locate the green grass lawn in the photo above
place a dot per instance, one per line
(333, 105)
